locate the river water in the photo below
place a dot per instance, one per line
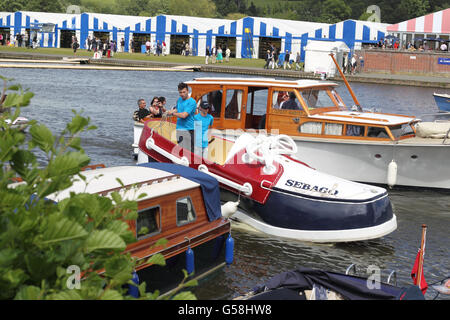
(109, 99)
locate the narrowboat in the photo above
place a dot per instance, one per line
(348, 142)
(278, 194)
(180, 205)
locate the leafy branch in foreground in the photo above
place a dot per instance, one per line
(44, 243)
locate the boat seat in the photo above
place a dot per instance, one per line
(165, 128)
(218, 150)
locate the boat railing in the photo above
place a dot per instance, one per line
(141, 184)
(391, 279)
(245, 188)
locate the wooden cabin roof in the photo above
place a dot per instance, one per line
(153, 183)
(375, 118)
(261, 82)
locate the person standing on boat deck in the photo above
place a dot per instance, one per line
(202, 122)
(185, 111)
(142, 113)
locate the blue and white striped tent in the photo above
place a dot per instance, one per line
(19, 21)
(202, 32)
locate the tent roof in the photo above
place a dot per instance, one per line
(437, 22)
(327, 46)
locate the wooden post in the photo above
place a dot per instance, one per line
(345, 81)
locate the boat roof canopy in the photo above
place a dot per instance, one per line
(105, 180)
(208, 184)
(262, 82)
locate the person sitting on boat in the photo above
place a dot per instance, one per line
(142, 113)
(202, 122)
(290, 104)
(184, 111)
(156, 109)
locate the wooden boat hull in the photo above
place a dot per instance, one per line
(209, 258)
(442, 101)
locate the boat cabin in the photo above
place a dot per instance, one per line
(308, 108)
(170, 206)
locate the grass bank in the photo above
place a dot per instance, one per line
(190, 60)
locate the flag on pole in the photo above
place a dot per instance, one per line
(417, 270)
(415, 274)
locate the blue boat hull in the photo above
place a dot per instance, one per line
(283, 210)
(442, 102)
(287, 211)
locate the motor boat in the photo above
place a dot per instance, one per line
(277, 193)
(349, 142)
(442, 101)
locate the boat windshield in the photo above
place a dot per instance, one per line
(317, 99)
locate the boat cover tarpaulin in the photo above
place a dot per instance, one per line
(209, 185)
(350, 287)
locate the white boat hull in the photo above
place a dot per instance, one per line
(421, 164)
(319, 236)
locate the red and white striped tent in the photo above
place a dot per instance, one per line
(437, 23)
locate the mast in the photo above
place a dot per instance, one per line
(346, 82)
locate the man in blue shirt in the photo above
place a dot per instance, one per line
(202, 122)
(185, 111)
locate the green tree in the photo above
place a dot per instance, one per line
(409, 9)
(198, 8)
(45, 6)
(40, 241)
(12, 5)
(335, 11)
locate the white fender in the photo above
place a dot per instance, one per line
(229, 208)
(392, 174)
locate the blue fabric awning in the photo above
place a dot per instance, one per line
(209, 185)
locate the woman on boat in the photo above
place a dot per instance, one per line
(156, 108)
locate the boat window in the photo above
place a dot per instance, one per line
(259, 99)
(317, 99)
(285, 100)
(357, 131)
(311, 127)
(214, 99)
(377, 132)
(333, 129)
(233, 104)
(148, 222)
(185, 211)
(278, 98)
(401, 130)
(338, 98)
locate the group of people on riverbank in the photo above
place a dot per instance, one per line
(216, 54)
(101, 48)
(275, 59)
(19, 40)
(193, 122)
(439, 45)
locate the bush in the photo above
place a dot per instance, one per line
(46, 247)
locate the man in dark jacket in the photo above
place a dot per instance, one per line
(290, 104)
